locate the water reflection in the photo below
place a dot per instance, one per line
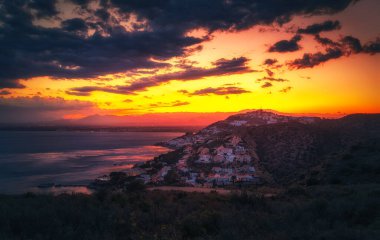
(62, 190)
(28, 159)
(27, 170)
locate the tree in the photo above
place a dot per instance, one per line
(172, 177)
(135, 185)
(118, 179)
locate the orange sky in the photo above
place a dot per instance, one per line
(348, 84)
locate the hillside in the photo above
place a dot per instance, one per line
(280, 150)
(289, 151)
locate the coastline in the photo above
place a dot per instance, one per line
(71, 159)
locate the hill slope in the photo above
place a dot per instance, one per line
(282, 149)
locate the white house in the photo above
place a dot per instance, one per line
(229, 158)
(164, 171)
(219, 179)
(245, 158)
(206, 158)
(145, 178)
(240, 150)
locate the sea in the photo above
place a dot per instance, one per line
(67, 161)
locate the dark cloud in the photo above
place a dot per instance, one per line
(226, 15)
(230, 84)
(270, 61)
(103, 14)
(272, 79)
(87, 90)
(170, 104)
(79, 93)
(219, 91)
(82, 3)
(286, 89)
(183, 91)
(310, 60)
(326, 41)
(42, 8)
(372, 47)
(335, 49)
(220, 67)
(286, 45)
(5, 92)
(267, 85)
(269, 72)
(45, 104)
(34, 109)
(158, 33)
(320, 27)
(352, 43)
(29, 51)
(74, 25)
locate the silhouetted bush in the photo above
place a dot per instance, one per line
(135, 185)
(172, 177)
(322, 212)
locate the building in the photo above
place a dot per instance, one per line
(219, 180)
(145, 178)
(206, 158)
(245, 158)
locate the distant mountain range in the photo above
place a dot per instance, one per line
(153, 119)
(175, 119)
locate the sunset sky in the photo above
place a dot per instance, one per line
(75, 58)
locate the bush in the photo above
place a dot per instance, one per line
(135, 185)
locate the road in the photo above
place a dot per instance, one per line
(191, 189)
(268, 193)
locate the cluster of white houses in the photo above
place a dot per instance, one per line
(231, 152)
(231, 164)
(218, 177)
(223, 155)
(228, 176)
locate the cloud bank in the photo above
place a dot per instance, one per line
(117, 36)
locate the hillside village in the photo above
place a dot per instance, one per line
(217, 155)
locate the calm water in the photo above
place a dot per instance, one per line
(28, 159)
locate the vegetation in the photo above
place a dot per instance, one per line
(288, 151)
(172, 177)
(333, 212)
